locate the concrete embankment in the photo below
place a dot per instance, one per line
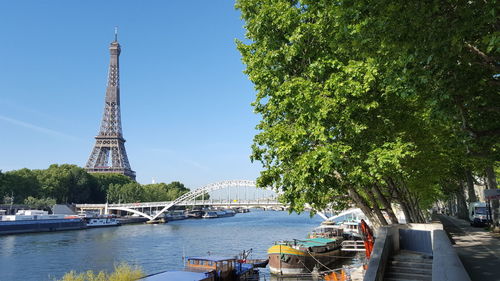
(414, 252)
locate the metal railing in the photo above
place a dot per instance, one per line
(353, 246)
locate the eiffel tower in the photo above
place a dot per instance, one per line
(109, 155)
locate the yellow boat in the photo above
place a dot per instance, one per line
(300, 256)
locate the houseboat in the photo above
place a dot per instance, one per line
(210, 268)
(301, 256)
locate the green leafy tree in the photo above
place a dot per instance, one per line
(156, 192)
(164, 192)
(103, 182)
(40, 203)
(67, 184)
(126, 193)
(370, 100)
(21, 184)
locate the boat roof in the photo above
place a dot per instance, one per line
(212, 258)
(329, 226)
(177, 276)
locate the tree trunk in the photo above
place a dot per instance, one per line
(462, 206)
(470, 186)
(420, 212)
(361, 203)
(450, 207)
(400, 200)
(492, 184)
(385, 202)
(412, 205)
(376, 208)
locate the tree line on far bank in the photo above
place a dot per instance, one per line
(376, 103)
(72, 184)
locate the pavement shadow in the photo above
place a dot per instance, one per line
(470, 243)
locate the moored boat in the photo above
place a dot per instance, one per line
(194, 214)
(301, 256)
(225, 213)
(210, 215)
(25, 221)
(352, 229)
(229, 212)
(210, 268)
(242, 210)
(327, 230)
(101, 221)
(175, 215)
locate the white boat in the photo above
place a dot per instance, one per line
(210, 215)
(327, 230)
(101, 221)
(352, 229)
(175, 215)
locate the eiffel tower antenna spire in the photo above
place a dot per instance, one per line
(109, 155)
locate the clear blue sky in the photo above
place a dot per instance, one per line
(185, 104)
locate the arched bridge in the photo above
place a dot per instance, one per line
(188, 199)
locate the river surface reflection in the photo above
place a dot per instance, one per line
(45, 256)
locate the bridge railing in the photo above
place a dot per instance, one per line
(185, 203)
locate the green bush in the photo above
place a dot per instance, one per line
(122, 272)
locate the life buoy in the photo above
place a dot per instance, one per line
(368, 239)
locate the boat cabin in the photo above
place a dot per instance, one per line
(352, 229)
(327, 231)
(211, 262)
(224, 268)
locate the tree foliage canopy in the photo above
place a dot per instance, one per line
(382, 100)
(71, 184)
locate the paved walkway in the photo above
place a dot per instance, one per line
(478, 249)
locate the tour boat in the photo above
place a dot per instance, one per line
(175, 215)
(225, 213)
(194, 214)
(210, 215)
(101, 221)
(301, 256)
(25, 221)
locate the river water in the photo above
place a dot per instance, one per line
(155, 248)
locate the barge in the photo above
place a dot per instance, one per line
(29, 221)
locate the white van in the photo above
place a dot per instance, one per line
(478, 213)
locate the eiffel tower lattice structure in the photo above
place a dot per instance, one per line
(109, 154)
